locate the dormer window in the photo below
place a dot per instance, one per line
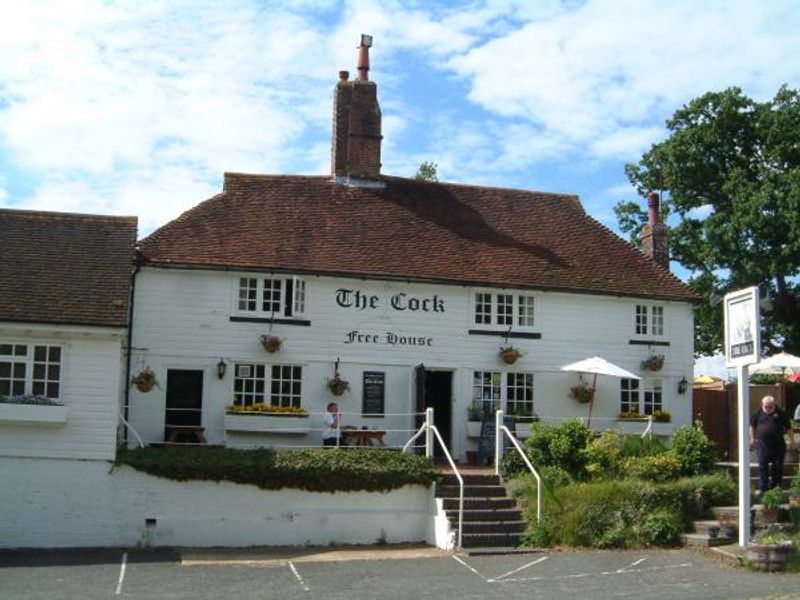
(272, 297)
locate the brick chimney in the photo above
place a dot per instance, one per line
(356, 144)
(654, 233)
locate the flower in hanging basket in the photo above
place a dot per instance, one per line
(271, 343)
(509, 354)
(145, 380)
(337, 385)
(581, 392)
(654, 362)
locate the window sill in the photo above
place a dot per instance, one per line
(644, 342)
(249, 319)
(505, 333)
(266, 424)
(29, 414)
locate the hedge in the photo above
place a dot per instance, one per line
(314, 470)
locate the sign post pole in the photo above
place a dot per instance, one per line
(743, 348)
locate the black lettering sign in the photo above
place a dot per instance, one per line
(374, 394)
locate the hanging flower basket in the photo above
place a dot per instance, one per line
(271, 343)
(654, 362)
(145, 380)
(581, 392)
(337, 385)
(509, 354)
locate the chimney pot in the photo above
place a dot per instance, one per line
(344, 75)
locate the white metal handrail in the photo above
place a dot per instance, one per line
(460, 481)
(131, 429)
(498, 456)
(649, 429)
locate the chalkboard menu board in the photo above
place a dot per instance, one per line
(374, 394)
(489, 435)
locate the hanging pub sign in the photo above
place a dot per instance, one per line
(742, 328)
(374, 394)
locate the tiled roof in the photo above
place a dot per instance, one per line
(65, 268)
(409, 229)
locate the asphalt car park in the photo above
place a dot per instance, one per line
(379, 573)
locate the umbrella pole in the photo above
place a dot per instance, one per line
(591, 400)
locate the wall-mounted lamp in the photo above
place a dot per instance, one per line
(221, 368)
(682, 385)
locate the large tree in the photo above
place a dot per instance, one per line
(730, 170)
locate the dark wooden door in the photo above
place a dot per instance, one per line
(184, 404)
(711, 408)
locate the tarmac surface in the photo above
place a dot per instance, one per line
(378, 572)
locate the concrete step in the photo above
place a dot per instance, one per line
(483, 540)
(492, 527)
(501, 514)
(500, 550)
(702, 526)
(479, 503)
(470, 479)
(701, 540)
(471, 491)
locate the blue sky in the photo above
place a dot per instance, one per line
(137, 108)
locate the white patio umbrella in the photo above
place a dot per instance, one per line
(778, 365)
(597, 366)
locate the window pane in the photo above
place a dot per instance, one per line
(53, 372)
(54, 354)
(52, 390)
(5, 387)
(38, 388)
(505, 309)
(641, 319)
(20, 350)
(17, 388)
(525, 311)
(19, 370)
(38, 371)
(5, 349)
(483, 309)
(5, 369)
(40, 353)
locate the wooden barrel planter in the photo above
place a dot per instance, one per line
(768, 557)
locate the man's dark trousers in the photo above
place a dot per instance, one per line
(769, 454)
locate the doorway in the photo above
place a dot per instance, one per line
(184, 404)
(435, 390)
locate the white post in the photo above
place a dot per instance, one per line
(498, 441)
(743, 424)
(428, 432)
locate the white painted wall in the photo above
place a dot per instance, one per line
(183, 319)
(70, 503)
(90, 389)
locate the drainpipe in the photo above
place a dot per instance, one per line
(136, 267)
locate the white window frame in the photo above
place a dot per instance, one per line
(652, 326)
(517, 306)
(494, 391)
(29, 379)
(268, 383)
(644, 396)
(267, 290)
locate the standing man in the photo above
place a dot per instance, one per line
(767, 427)
(331, 433)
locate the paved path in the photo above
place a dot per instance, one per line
(379, 573)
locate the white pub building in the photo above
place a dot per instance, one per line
(407, 289)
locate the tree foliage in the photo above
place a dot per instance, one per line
(427, 171)
(731, 172)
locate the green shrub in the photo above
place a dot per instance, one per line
(561, 445)
(539, 535)
(604, 455)
(315, 470)
(773, 498)
(656, 467)
(661, 528)
(636, 445)
(694, 450)
(512, 464)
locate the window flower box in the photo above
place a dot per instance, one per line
(255, 422)
(33, 414)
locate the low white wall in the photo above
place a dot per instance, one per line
(69, 503)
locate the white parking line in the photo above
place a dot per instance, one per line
(581, 575)
(300, 580)
(470, 568)
(633, 564)
(121, 573)
(530, 564)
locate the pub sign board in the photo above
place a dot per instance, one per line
(374, 394)
(742, 327)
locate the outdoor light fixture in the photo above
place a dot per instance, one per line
(221, 367)
(682, 385)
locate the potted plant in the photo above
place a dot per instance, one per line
(771, 502)
(337, 385)
(661, 416)
(145, 380)
(768, 551)
(509, 354)
(713, 532)
(726, 525)
(654, 362)
(262, 417)
(581, 392)
(271, 343)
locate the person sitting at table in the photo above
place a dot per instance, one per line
(332, 434)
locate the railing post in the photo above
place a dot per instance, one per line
(498, 441)
(428, 432)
